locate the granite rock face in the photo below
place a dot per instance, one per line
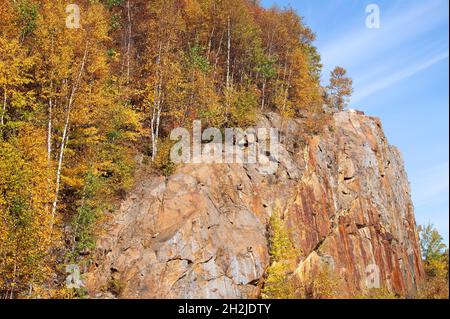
(203, 232)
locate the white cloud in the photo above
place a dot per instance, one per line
(389, 80)
(431, 185)
(360, 45)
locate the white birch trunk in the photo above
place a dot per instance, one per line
(2, 120)
(228, 68)
(263, 102)
(288, 86)
(65, 132)
(228, 53)
(49, 131)
(128, 41)
(156, 107)
(219, 50)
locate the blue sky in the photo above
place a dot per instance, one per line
(400, 74)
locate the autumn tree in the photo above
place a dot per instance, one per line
(435, 257)
(25, 223)
(280, 282)
(431, 242)
(66, 139)
(25, 230)
(304, 90)
(340, 88)
(15, 77)
(90, 127)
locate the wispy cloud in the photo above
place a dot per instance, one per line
(431, 185)
(377, 59)
(359, 45)
(366, 91)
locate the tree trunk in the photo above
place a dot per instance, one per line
(219, 50)
(211, 36)
(2, 120)
(158, 119)
(228, 53)
(14, 278)
(228, 69)
(50, 115)
(49, 130)
(263, 94)
(65, 132)
(128, 41)
(152, 128)
(154, 125)
(288, 86)
(156, 122)
(49, 133)
(60, 161)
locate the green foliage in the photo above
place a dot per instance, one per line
(111, 53)
(85, 221)
(115, 286)
(114, 22)
(110, 4)
(315, 65)
(431, 243)
(196, 59)
(265, 64)
(27, 13)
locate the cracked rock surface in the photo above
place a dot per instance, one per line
(202, 232)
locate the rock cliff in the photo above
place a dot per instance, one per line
(202, 232)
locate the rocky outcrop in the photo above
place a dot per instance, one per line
(202, 232)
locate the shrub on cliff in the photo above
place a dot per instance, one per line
(282, 282)
(323, 284)
(279, 283)
(435, 258)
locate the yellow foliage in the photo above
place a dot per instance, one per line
(434, 288)
(322, 284)
(436, 282)
(305, 91)
(279, 282)
(378, 293)
(162, 161)
(435, 255)
(26, 223)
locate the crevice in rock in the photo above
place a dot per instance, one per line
(189, 261)
(362, 226)
(254, 282)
